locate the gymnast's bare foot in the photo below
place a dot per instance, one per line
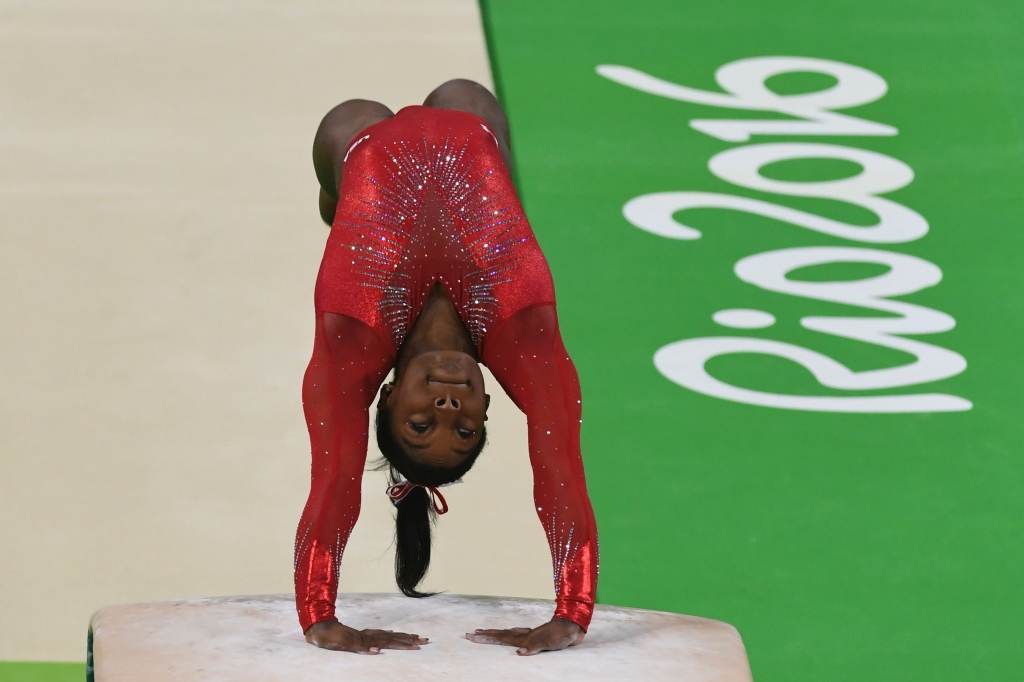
(554, 635)
(331, 634)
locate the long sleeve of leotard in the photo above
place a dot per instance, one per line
(348, 365)
(527, 357)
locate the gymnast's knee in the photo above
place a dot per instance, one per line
(466, 95)
(336, 130)
(458, 93)
(345, 120)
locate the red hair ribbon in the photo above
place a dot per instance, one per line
(398, 492)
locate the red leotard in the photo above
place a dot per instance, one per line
(426, 198)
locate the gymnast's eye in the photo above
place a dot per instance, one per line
(418, 427)
(465, 434)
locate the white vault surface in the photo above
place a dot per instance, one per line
(159, 242)
(255, 638)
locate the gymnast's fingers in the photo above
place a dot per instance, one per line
(410, 639)
(385, 639)
(513, 637)
(515, 631)
(399, 636)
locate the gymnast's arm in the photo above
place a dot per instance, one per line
(348, 365)
(529, 360)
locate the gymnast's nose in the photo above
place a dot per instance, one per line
(447, 403)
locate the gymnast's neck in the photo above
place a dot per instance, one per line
(438, 328)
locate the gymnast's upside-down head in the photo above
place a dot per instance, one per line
(430, 429)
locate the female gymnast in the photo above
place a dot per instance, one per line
(431, 268)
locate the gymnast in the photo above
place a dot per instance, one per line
(431, 268)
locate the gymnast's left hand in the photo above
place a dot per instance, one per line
(554, 635)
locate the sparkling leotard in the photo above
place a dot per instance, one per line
(425, 198)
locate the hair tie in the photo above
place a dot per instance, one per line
(398, 491)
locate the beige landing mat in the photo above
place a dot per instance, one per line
(250, 638)
(159, 241)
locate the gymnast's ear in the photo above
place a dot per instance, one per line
(487, 404)
(385, 394)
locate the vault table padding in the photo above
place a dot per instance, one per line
(257, 639)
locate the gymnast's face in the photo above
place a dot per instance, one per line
(438, 407)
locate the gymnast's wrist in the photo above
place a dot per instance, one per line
(320, 625)
(574, 611)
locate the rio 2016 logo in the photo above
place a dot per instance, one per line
(683, 362)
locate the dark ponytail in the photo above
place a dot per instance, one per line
(415, 512)
(413, 532)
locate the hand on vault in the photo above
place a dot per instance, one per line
(333, 635)
(554, 635)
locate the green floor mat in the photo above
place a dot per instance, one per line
(41, 672)
(801, 390)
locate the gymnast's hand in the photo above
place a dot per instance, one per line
(554, 635)
(330, 634)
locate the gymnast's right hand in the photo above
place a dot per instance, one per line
(330, 634)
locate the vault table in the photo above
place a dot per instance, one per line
(257, 638)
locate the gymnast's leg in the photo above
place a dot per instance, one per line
(467, 95)
(337, 129)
